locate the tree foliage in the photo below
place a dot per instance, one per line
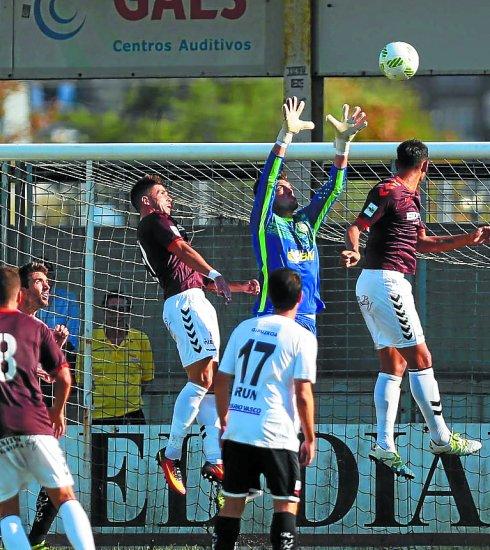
(247, 110)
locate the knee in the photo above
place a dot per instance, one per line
(61, 495)
(422, 361)
(205, 379)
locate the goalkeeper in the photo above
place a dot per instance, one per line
(284, 236)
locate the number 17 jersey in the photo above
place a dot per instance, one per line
(266, 355)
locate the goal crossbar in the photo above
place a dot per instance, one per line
(226, 151)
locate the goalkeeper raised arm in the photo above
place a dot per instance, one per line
(284, 236)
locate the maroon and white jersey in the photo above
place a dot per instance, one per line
(25, 342)
(156, 232)
(392, 215)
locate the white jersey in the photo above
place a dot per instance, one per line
(265, 355)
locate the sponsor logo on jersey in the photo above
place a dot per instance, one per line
(370, 209)
(302, 227)
(412, 216)
(245, 409)
(298, 256)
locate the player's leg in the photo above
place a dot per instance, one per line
(241, 472)
(282, 472)
(186, 408)
(75, 520)
(208, 413)
(45, 515)
(13, 476)
(425, 391)
(380, 295)
(227, 524)
(208, 419)
(47, 464)
(283, 525)
(192, 322)
(386, 400)
(13, 534)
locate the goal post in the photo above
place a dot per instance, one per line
(69, 204)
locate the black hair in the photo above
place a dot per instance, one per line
(9, 284)
(142, 186)
(115, 294)
(282, 176)
(411, 153)
(31, 267)
(284, 288)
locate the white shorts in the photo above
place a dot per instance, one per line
(192, 321)
(387, 305)
(24, 458)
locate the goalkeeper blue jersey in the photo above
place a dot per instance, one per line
(290, 242)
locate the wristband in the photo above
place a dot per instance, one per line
(284, 137)
(342, 147)
(213, 274)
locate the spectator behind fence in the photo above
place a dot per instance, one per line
(122, 364)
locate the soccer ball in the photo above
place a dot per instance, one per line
(398, 61)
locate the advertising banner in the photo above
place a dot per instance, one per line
(343, 491)
(146, 38)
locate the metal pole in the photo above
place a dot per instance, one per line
(4, 208)
(89, 197)
(29, 209)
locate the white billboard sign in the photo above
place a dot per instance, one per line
(146, 38)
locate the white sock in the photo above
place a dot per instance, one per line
(425, 391)
(185, 411)
(210, 427)
(386, 399)
(13, 535)
(77, 525)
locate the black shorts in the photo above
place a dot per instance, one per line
(244, 464)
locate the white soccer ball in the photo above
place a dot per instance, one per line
(398, 61)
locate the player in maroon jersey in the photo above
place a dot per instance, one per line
(28, 430)
(391, 213)
(35, 289)
(191, 319)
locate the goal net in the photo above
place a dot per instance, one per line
(69, 205)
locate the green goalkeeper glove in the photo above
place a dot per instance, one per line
(347, 128)
(292, 124)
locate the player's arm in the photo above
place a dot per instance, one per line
(223, 379)
(304, 378)
(252, 286)
(306, 411)
(345, 131)
(266, 185)
(222, 383)
(191, 257)
(375, 206)
(426, 243)
(61, 392)
(54, 363)
(350, 256)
